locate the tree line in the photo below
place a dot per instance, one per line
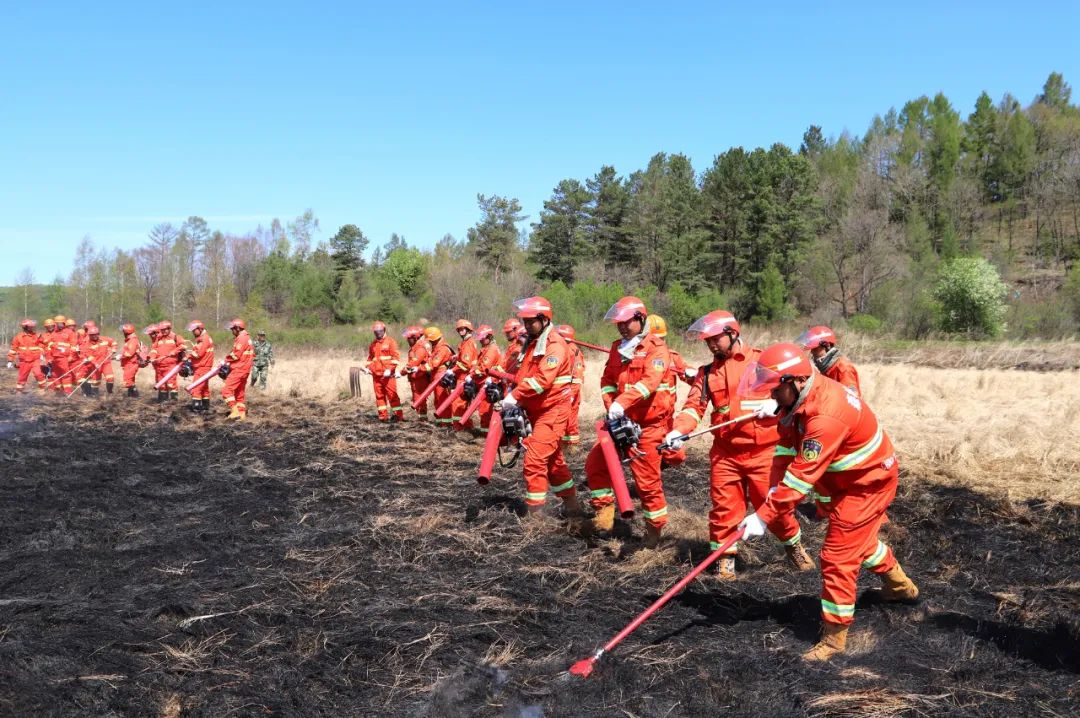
(867, 229)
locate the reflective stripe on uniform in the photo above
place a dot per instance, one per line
(795, 483)
(562, 380)
(608, 389)
(784, 451)
(821, 498)
(601, 493)
(655, 514)
(530, 496)
(563, 487)
(842, 610)
(535, 385)
(794, 539)
(859, 455)
(877, 557)
(642, 389)
(691, 413)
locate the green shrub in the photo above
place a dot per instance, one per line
(972, 297)
(865, 323)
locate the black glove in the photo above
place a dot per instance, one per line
(186, 369)
(448, 381)
(470, 391)
(224, 371)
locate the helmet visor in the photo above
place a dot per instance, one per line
(811, 338)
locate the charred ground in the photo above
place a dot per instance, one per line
(319, 563)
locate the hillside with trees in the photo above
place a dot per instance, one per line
(932, 221)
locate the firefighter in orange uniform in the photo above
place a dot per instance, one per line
(166, 352)
(820, 341)
(464, 365)
(489, 357)
(515, 342)
(96, 356)
(27, 349)
(61, 353)
(382, 364)
(573, 432)
(201, 356)
(542, 393)
(440, 355)
(634, 385)
(82, 368)
(741, 456)
(832, 448)
(419, 378)
(239, 361)
(132, 358)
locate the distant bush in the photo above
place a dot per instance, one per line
(865, 323)
(972, 297)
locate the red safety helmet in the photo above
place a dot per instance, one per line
(195, 324)
(463, 324)
(566, 332)
(151, 330)
(378, 327)
(814, 337)
(91, 328)
(165, 325)
(713, 324)
(88, 323)
(27, 324)
(532, 307)
(484, 331)
(413, 331)
(626, 309)
(778, 363)
(128, 329)
(237, 324)
(511, 327)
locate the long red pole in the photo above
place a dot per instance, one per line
(454, 394)
(615, 470)
(205, 377)
(597, 347)
(419, 401)
(169, 375)
(474, 404)
(585, 666)
(491, 449)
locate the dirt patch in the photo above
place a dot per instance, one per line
(317, 563)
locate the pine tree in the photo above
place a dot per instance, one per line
(494, 239)
(559, 238)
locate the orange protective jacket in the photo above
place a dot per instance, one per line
(843, 371)
(579, 365)
(489, 358)
(722, 392)
(132, 345)
(829, 444)
(62, 344)
(166, 350)
(26, 348)
(97, 352)
(242, 355)
(417, 356)
(543, 379)
(202, 352)
(383, 354)
(467, 354)
(439, 356)
(641, 384)
(509, 362)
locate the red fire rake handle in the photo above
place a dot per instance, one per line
(585, 666)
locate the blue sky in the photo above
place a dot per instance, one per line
(117, 116)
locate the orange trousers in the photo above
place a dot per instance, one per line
(200, 392)
(60, 366)
(130, 370)
(164, 367)
(418, 382)
(234, 391)
(544, 466)
(457, 410)
(96, 375)
(645, 465)
(733, 481)
(446, 418)
(851, 543)
(27, 368)
(387, 401)
(573, 433)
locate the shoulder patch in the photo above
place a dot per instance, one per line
(658, 364)
(552, 361)
(811, 449)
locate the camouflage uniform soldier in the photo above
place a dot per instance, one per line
(264, 359)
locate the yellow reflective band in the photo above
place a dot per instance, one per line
(798, 484)
(794, 539)
(784, 451)
(600, 493)
(531, 496)
(655, 514)
(843, 610)
(563, 487)
(607, 390)
(691, 413)
(821, 498)
(642, 389)
(859, 455)
(535, 385)
(877, 557)
(751, 404)
(562, 380)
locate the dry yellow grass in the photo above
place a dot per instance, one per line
(1006, 431)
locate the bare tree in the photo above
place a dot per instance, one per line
(23, 284)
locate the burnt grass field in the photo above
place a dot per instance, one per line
(317, 563)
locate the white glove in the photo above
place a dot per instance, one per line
(767, 409)
(365, 370)
(388, 373)
(10, 365)
(752, 527)
(116, 357)
(674, 440)
(690, 373)
(616, 411)
(509, 400)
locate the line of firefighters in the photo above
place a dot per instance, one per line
(66, 359)
(785, 427)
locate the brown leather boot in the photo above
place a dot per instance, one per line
(896, 586)
(652, 536)
(604, 519)
(798, 558)
(725, 569)
(571, 506)
(833, 640)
